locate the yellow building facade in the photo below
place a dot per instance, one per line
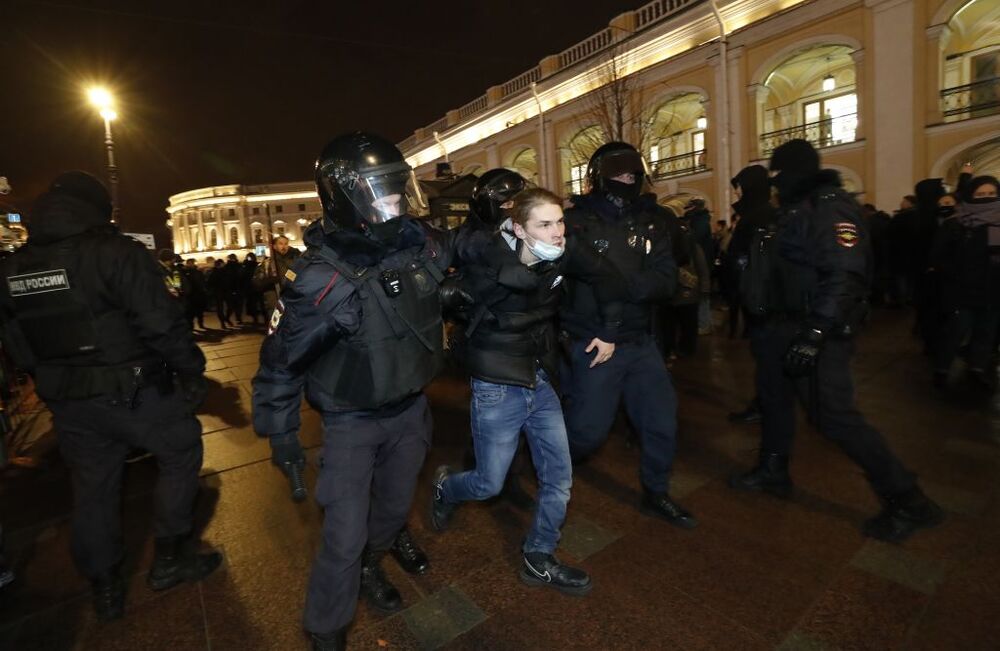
(890, 91)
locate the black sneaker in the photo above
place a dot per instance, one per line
(661, 506)
(902, 515)
(174, 563)
(770, 475)
(544, 570)
(376, 587)
(406, 552)
(441, 511)
(336, 641)
(108, 592)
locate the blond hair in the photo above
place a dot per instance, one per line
(527, 200)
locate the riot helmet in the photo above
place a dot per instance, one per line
(492, 190)
(611, 160)
(362, 180)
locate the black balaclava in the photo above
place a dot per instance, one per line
(84, 187)
(928, 192)
(754, 185)
(797, 164)
(976, 183)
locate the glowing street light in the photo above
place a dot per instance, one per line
(102, 100)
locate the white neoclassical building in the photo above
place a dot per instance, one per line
(890, 91)
(224, 219)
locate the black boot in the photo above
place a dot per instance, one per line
(336, 641)
(902, 515)
(441, 511)
(661, 506)
(769, 475)
(540, 569)
(410, 557)
(175, 562)
(375, 586)
(749, 415)
(108, 592)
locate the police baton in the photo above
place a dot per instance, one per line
(296, 481)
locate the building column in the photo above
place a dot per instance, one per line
(756, 96)
(937, 40)
(220, 226)
(203, 242)
(492, 156)
(893, 67)
(860, 91)
(737, 152)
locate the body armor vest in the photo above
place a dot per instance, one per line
(77, 342)
(397, 349)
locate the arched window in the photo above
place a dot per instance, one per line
(234, 237)
(811, 95)
(213, 238)
(576, 154)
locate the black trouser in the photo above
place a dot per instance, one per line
(367, 476)
(977, 325)
(94, 437)
(829, 399)
(679, 329)
(234, 305)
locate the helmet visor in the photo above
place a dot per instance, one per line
(378, 193)
(623, 161)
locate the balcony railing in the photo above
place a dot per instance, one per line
(680, 165)
(827, 132)
(971, 100)
(649, 14)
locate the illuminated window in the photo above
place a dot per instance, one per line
(577, 174)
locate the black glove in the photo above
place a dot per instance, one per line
(453, 296)
(801, 356)
(193, 388)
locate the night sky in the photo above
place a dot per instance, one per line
(215, 92)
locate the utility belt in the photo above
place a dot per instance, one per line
(120, 385)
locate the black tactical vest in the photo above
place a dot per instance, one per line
(73, 340)
(397, 349)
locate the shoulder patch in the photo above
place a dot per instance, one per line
(290, 275)
(846, 234)
(279, 311)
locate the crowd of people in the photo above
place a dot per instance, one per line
(560, 312)
(230, 288)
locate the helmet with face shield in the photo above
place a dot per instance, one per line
(612, 160)
(363, 183)
(492, 190)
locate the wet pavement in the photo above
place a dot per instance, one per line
(758, 573)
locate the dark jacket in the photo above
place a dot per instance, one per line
(755, 211)
(642, 242)
(319, 309)
(968, 267)
(114, 316)
(512, 328)
(823, 275)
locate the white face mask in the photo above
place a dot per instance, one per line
(543, 250)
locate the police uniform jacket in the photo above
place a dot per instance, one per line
(641, 241)
(84, 309)
(824, 259)
(341, 332)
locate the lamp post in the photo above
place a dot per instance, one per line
(102, 99)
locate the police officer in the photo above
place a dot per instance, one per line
(358, 327)
(614, 359)
(84, 310)
(818, 287)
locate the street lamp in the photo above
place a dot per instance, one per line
(101, 98)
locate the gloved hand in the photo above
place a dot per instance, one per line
(802, 354)
(454, 296)
(193, 388)
(287, 454)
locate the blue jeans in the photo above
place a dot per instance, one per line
(499, 412)
(636, 374)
